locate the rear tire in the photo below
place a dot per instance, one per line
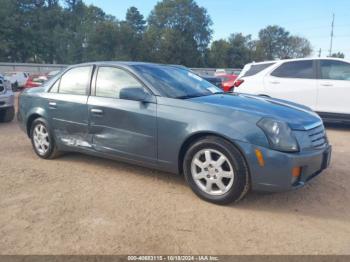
(42, 139)
(216, 170)
(7, 115)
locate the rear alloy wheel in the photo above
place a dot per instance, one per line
(216, 171)
(42, 141)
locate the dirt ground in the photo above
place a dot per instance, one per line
(83, 205)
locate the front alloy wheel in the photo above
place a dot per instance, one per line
(212, 172)
(216, 170)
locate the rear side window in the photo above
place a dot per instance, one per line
(295, 69)
(254, 69)
(110, 81)
(334, 70)
(75, 81)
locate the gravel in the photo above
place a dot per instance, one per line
(78, 204)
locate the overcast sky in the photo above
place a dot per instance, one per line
(307, 18)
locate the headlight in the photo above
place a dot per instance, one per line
(279, 134)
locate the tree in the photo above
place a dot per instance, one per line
(240, 51)
(297, 47)
(219, 54)
(234, 52)
(102, 42)
(338, 55)
(178, 32)
(132, 34)
(275, 42)
(135, 20)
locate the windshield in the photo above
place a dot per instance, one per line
(176, 82)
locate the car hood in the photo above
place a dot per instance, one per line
(297, 116)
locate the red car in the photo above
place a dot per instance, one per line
(227, 82)
(35, 81)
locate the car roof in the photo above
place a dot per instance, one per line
(299, 59)
(120, 63)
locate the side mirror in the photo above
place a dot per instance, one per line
(135, 94)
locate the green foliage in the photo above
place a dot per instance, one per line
(135, 20)
(273, 43)
(176, 32)
(338, 55)
(278, 43)
(219, 54)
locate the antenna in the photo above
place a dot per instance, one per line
(332, 34)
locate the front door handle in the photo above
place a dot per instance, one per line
(274, 82)
(96, 111)
(326, 84)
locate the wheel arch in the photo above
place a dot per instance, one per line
(30, 121)
(200, 135)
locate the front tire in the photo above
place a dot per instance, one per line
(7, 115)
(42, 140)
(216, 170)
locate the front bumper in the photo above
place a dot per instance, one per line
(7, 100)
(277, 173)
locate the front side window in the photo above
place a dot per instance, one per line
(110, 81)
(334, 70)
(75, 81)
(295, 69)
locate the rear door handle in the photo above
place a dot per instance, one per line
(96, 111)
(53, 105)
(274, 82)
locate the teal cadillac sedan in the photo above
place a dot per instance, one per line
(169, 118)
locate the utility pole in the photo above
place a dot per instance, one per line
(320, 52)
(332, 34)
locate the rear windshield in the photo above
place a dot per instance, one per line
(254, 69)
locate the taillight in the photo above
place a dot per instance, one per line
(238, 82)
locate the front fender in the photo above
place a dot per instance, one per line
(177, 125)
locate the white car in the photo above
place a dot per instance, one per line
(323, 84)
(17, 79)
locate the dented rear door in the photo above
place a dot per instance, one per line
(68, 109)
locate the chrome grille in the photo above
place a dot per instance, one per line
(318, 136)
